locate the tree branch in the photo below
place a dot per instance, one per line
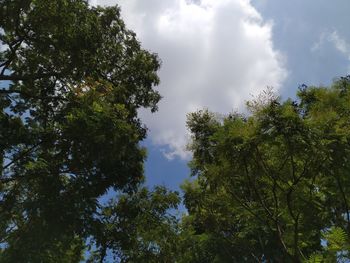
(23, 154)
(14, 77)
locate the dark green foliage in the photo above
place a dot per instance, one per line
(139, 228)
(72, 79)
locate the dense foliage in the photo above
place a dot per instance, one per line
(269, 185)
(72, 79)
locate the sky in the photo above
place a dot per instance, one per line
(217, 54)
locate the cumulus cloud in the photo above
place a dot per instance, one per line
(215, 54)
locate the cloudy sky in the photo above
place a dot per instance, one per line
(217, 54)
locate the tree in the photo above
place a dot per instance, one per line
(268, 185)
(138, 227)
(72, 79)
(336, 249)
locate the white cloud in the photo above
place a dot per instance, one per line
(215, 53)
(338, 42)
(341, 45)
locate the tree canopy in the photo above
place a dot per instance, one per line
(271, 184)
(72, 79)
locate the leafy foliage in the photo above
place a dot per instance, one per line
(73, 78)
(138, 227)
(337, 247)
(269, 184)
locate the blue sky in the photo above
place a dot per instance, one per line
(217, 54)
